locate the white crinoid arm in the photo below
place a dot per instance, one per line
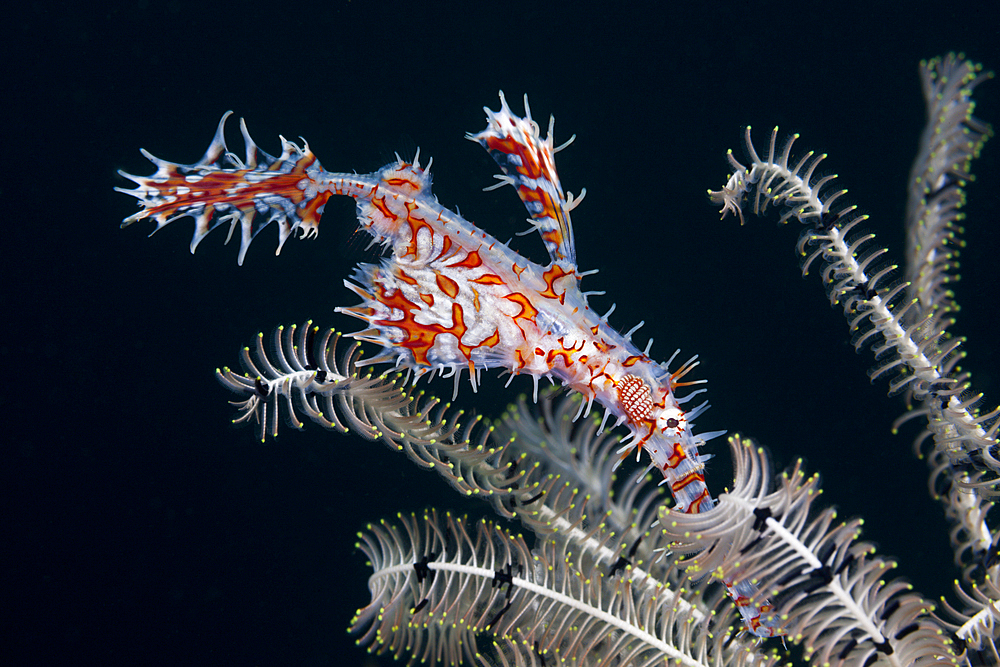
(329, 391)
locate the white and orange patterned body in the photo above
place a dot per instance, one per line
(449, 297)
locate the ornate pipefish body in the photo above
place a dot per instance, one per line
(450, 297)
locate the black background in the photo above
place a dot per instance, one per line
(140, 527)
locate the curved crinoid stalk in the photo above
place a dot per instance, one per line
(904, 323)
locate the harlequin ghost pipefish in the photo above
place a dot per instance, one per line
(450, 297)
